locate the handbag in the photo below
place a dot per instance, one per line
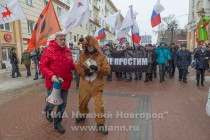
(194, 64)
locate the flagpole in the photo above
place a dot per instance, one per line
(133, 19)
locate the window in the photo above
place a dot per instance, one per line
(78, 36)
(30, 26)
(5, 27)
(45, 3)
(75, 38)
(102, 11)
(58, 11)
(70, 37)
(29, 2)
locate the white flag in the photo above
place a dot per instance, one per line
(123, 32)
(128, 21)
(113, 21)
(158, 8)
(77, 15)
(127, 24)
(10, 11)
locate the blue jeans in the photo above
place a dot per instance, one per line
(171, 69)
(60, 109)
(162, 71)
(128, 75)
(36, 68)
(15, 68)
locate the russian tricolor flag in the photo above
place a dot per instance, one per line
(156, 19)
(135, 32)
(100, 33)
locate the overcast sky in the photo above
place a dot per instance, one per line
(144, 9)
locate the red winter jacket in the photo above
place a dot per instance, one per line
(57, 61)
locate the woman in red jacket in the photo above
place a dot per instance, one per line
(56, 61)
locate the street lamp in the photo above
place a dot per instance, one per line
(173, 26)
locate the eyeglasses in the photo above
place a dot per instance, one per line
(62, 39)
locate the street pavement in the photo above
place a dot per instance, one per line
(171, 110)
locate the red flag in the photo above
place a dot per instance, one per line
(46, 25)
(121, 40)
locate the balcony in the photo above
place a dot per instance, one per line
(96, 20)
(96, 7)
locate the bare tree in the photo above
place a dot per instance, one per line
(170, 31)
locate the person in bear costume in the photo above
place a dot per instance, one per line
(92, 66)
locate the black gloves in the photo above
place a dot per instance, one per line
(93, 67)
(88, 72)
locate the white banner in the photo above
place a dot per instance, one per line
(77, 15)
(113, 21)
(10, 11)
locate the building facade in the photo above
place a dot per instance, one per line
(196, 8)
(10, 36)
(20, 31)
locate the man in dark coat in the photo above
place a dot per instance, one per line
(154, 62)
(151, 55)
(182, 60)
(14, 62)
(172, 67)
(138, 74)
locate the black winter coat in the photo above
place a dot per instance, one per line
(182, 59)
(200, 57)
(13, 58)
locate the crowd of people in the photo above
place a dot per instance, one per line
(167, 58)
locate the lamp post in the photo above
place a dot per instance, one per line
(173, 26)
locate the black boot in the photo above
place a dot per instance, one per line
(202, 83)
(185, 81)
(103, 129)
(49, 117)
(197, 82)
(80, 118)
(60, 128)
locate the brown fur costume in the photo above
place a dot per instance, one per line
(88, 89)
